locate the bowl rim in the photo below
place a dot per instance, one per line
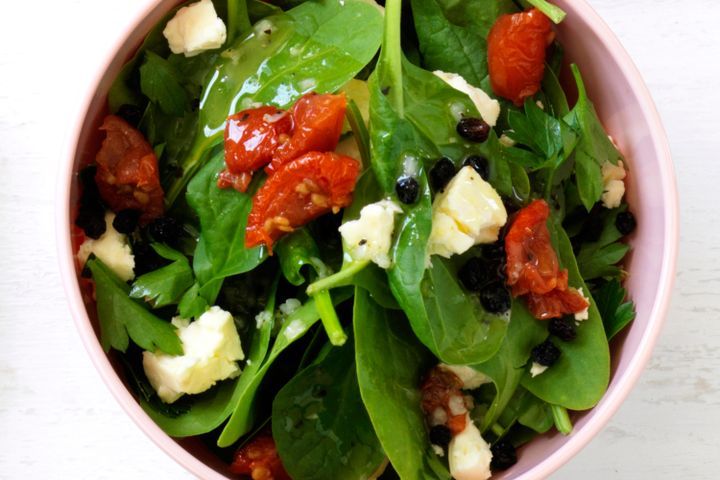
(602, 413)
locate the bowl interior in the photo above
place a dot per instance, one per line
(626, 109)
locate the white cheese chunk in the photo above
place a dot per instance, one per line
(112, 249)
(614, 186)
(211, 347)
(195, 29)
(537, 369)
(489, 108)
(467, 213)
(583, 314)
(469, 454)
(470, 378)
(370, 236)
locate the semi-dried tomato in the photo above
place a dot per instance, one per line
(302, 190)
(516, 54)
(440, 389)
(127, 171)
(259, 460)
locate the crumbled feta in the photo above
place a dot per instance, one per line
(289, 306)
(370, 236)
(614, 187)
(506, 141)
(439, 417)
(468, 212)
(469, 454)
(195, 29)
(584, 314)
(112, 249)
(438, 450)
(470, 377)
(489, 108)
(536, 369)
(262, 318)
(211, 348)
(456, 404)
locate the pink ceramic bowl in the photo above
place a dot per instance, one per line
(623, 103)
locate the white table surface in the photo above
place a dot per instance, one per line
(57, 420)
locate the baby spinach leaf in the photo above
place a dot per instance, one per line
(507, 366)
(159, 82)
(320, 425)
(293, 327)
(600, 258)
(615, 312)
(390, 363)
(223, 216)
(317, 46)
(166, 285)
(580, 377)
(122, 318)
(296, 251)
(527, 410)
(453, 34)
(594, 147)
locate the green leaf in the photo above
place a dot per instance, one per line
(600, 258)
(594, 147)
(390, 363)
(296, 251)
(579, 379)
(293, 327)
(121, 317)
(192, 305)
(615, 312)
(158, 82)
(452, 34)
(320, 425)
(507, 366)
(167, 285)
(221, 251)
(316, 46)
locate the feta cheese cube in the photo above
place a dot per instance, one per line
(468, 212)
(489, 108)
(370, 236)
(470, 377)
(537, 369)
(614, 186)
(211, 348)
(469, 454)
(195, 29)
(112, 249)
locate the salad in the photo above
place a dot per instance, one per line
(343, 239)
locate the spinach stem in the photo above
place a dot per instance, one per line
(329, 318)
(562, 419)
(238, 19)
(553, 12)
(497, 429)
(190, 166)
(392, 53)
(362, 137)
(339, 279)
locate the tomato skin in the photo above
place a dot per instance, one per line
(302, 190)
(516, 54)
(251, 139)
(259, 460)
(532, 264)
(438, 387)
(127, 171)
(533, 269)
(318, 121)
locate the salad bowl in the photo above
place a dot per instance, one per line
(626, 109)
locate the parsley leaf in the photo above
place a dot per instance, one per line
(615, 313)
(166, 285)
(599, 258)
(122, 318)
(159, 82)
(594, 147)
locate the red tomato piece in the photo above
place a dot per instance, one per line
(318, 121)
(532, 264)
(516, 54)
(437, 390)
(299, 192)
(556, 303)
(127, 171)
(251, 138)
(259, 460)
